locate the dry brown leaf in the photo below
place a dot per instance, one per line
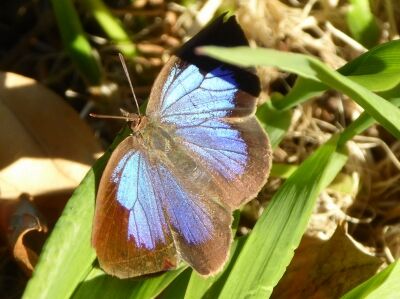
(48, 151)
(49, 148)
(19, 218)
(326, 269)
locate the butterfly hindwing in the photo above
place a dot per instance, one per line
(130, 234)
(199, 224)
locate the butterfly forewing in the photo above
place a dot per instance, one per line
(214, 120)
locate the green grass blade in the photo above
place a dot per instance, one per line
(67, 256)
(75, 42)
(303, 90)
(177, 288)
(201, 287)
(362, 23)
(279, 170)
(274, 122)
(384, 112)
(99, 285)
(111, 26)
(276, 235)
(376, 70)
(363, 122)
(152, 287)
(385, 284)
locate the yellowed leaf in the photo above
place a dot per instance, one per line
(326, 269)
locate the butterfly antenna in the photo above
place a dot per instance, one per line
(121, 58)
(127, 118)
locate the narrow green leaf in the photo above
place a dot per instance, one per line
(75, 41)
(152, 287)
(303, 90)
(274, 122)
(384, 112)
(363, 122)
(276, 235)
(100, 285)
(199, 285)
(111, 26)
(376, 70)
(385, 284)
(362, 23)
(210, 287)
(177, 288)
(279, 170)
(67, 256)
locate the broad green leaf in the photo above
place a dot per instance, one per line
(75, 42)
(385, 284)
(384, 112)
(362, 23)
(270, 246)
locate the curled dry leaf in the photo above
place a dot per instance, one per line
(19, 218)
(48, 151)
(326, 269)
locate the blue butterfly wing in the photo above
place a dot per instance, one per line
(130, 233)
(199, 223)
(214, 120)
(162, 213)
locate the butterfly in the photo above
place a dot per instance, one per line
(169, 188)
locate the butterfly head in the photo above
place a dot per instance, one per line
(137, 121)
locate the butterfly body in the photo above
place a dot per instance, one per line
(169, 188)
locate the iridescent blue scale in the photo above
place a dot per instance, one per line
(169, 189)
